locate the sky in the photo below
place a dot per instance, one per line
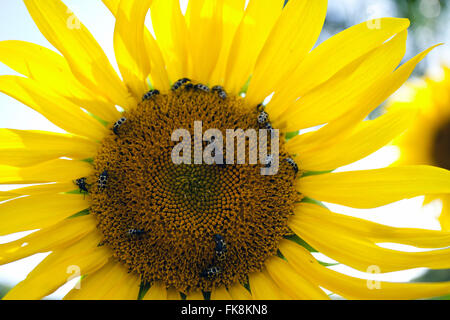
(16, 24)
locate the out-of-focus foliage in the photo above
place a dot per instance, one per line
(3, 290)
(429, 20)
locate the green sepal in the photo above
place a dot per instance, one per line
(206, 295)
(326, 264)
(143, 288)
(313, 201)
(315, 173)
(84, 212)
(245, 87)
(89, 160)
(76, 191)
(103, 122)
(280, 255)
(295, 238)
(290, 135)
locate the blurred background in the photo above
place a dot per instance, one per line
(430, 24)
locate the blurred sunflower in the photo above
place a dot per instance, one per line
(108, 200)
(427, 140)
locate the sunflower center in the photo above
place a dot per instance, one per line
(441, 146)
(191, 226)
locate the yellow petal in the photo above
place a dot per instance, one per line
(196, 295)
(56, 109)
(290, 40)
(86, 58)
(35, 212)
(95, 285)
(353, 288)
(158, 72)
(125, 288)
(220, 293)
(51, 69)
(173, 294)
(60, 235)
(238, 292)
(374, 232)
(341, 93)
(374, 188)
(343, 246)
(204, 21)
(50, 171)
(157, 291)
(82, 258)
(294, 284)
(233, 11)
(345, 47)
(129, 46)
(263, 287)
(50, 188)
(367, 138)
(24, 148)
(4, 195)
(444, 217)
(374, 96)
(172, 36)
(258, 20)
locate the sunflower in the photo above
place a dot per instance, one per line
(107, 200)
(427, 140)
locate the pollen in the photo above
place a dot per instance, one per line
(162, 220)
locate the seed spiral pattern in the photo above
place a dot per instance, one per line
(175, 211)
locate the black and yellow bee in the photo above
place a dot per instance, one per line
(293, 164)
(150, 94)
(118, 123)
(102, 180)
(211, 272)
(220, 91)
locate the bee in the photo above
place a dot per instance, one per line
(118, 123)
(263, 117)
(201, 87)
(179, 83)
(293, 164)
(135, 232)
(221, 247)
(103, 179)
(260, 107)
(220, 91)
(150, 94)
(188, 86)
(211, 272)
(268, 161)
(81, 183)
